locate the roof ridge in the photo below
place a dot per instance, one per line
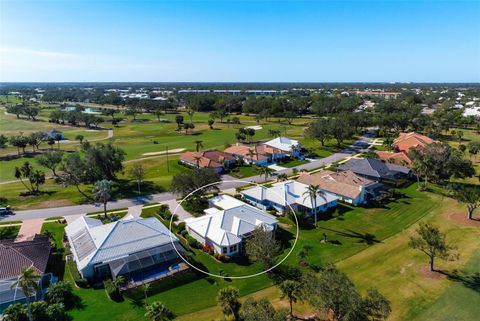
(24, 256)
(95, 252)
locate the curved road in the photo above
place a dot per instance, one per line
(359, 146)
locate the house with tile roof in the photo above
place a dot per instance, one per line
(15, 256)
(213, 159)
(257, 155)
(285, 146)
(398, 158)
(138, 249)
(226, 224)
(405, 141)
(346, 185)
(283, 195)
(376, 170)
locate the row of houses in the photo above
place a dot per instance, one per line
(402, 145)
(260, 154)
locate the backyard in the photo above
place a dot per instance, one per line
(358, 239)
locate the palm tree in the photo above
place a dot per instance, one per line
(228, 298)
(197, 160)
(28, 282)
(291, 290)
(251, 153)
(312, 192)
(190, 113)
(198, 145)
(103, 191)
(266, 171)
(119, 281)
(158, 311)
(146, 287)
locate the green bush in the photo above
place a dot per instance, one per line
(181, 227)
(192, 242)
(112, 291)
(184, 233)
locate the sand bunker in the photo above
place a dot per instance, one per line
(171, 151)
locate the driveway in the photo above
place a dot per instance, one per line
(28, 229)
(359, 146)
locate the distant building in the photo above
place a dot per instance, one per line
(381, 94)
(227, 224)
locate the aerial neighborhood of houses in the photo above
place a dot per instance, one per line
(149, 221)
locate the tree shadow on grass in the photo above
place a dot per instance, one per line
(124, 188)
(366, 238)
(469, 280)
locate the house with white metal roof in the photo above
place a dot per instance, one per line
(283, 195)
(286, 145)
(227, 224)
(136, 248)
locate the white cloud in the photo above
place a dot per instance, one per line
(32, 52)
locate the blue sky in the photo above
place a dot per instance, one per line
(311, 41)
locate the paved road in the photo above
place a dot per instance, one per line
(359, 146)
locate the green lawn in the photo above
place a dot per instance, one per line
(244, 171)
(9, 232)
(463, 294)
(136, 138)
(293, 163)
(351, 231)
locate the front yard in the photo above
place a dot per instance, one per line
(352, 231)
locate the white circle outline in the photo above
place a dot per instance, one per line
(241, 276)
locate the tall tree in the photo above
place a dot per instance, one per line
(261, 310)
(138, 173)
(432, 242)
(262, 247)
(103, 193)
(334, 294)
(470, 196)
(50, 160)
(229, 300)
(179, 121)
(198, 145)
(158, 311)
(290, 290)
(186, 182)
(318, 130)
(28, 282)
(265, 171)
(311, 193)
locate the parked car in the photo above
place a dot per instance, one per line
(6, 210)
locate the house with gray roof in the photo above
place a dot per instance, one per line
(227, 224)
(138, 249)
(376, 170)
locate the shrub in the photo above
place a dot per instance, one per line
(184, 233)
(192, 242)
(61, 292)
(112, 291)
(181, 226)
